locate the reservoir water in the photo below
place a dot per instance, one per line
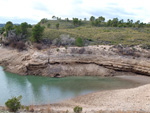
(44, 90)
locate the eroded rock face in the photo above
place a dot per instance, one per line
(101, 62)
(12, 35)
(72, 69)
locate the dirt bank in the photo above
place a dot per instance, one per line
(60, 62)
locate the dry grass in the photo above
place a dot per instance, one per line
(114, 36)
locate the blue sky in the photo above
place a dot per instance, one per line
(32, 11)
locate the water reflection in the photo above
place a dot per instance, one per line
(42, 90)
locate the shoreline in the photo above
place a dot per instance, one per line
(108, 102)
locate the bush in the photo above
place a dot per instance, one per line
(37, 32)
(77, 109)
(79, 42)
(57, 50)
(14, 103)
(38, 46)
(27, 108)
(13, 44)
(20, 45)
(145, 46)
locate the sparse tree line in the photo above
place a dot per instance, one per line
(100, 22)
(16, 35)
(37, 30)
(115, 22)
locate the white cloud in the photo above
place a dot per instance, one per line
(34, 10)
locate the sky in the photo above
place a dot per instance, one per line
(32, 11)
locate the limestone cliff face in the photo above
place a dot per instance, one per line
(87, 61)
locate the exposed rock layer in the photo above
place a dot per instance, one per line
(93, 60)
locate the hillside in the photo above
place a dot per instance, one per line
(98, 35)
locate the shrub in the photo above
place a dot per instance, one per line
(145, 46)
(57, 26)
(20, 45)
(22, 107)
(57, 50)
(38, 46)
(14, 103)
(6, 43)
(27, 108)
(13, 44)
(79, 42)
(77, 109)
(81, 51)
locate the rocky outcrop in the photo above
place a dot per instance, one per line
(99, 61)
(12, 35)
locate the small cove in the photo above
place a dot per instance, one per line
(43, 90)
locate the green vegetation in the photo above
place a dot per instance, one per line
(14, 103)
(27, 108)
(76, 22)
(48, 25)
(96, 31)
(77, 109)
(8, 26)
(57, 26)
(79, 42)
(2, 30)
(37, 32)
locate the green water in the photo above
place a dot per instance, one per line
(42, 90)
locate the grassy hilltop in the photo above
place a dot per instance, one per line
(99, 35)
(92, 32)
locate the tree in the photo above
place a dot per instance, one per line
(29, 26)
(54, 17)
(96, 22)
(18, 29)
(101, 19)
(109, 23)
(137, 23)
(115, 22)
(92, 19)
(121, 23)
(2, 30)
(14, 103)
(48, 25)
(44, 20)
(77, 22)
(129, 23)
(67, 19)
(57, 26)
(8, 26)
(37, 32)
(24, 27)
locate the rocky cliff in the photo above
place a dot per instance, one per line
(74, 61)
